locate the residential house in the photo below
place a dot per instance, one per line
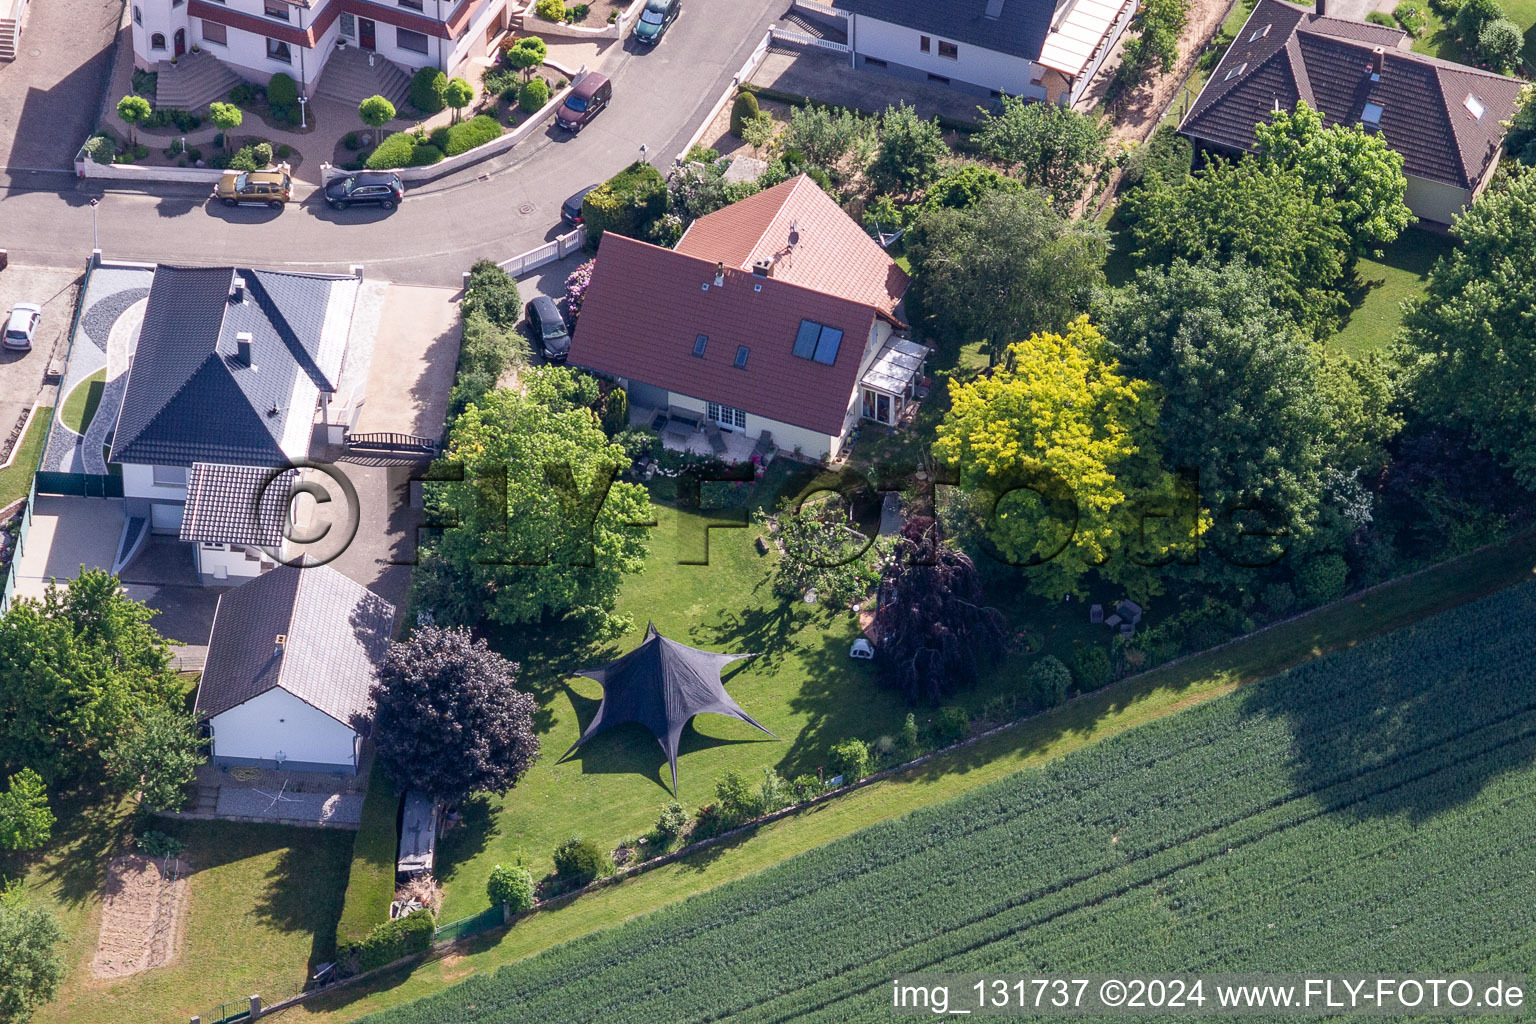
(777, 315)
(233, 372)
(290, 670)
(258, 38)
(1446, 119)
(1037, 49)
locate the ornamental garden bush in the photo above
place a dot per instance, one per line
(628, 203)
(578, 861)
(403, 149)
(512, 886)
(850, 759)
(388, 942)
(1049, 681)
(466, 135)
(533, 95)
(1091, 668)
(282, 90)
(950, 726)
(550, 10)
(743, 110)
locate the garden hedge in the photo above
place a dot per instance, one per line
(466, 135)
(389, 942)
(627, 203)
(403, 149)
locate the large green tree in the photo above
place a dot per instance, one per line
(1475, 328)
(1247, 210)
(1004, 268)
(157, 757)
(544, 525)
(78, 667)
(1242, 403)
(910, 151)
(1357, 171)
(1047, 145)
(1057, 452)
(25, 820)
(31, 968)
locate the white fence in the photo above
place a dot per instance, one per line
(790, 36)
(549, 252)
(747, 70)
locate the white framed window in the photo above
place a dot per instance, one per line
(157, 41)
(278, 50)
(949, 51)
(170, 476)
(276, 9)
(727, 416)
(213, 32)
(416, 42)
(349, 25)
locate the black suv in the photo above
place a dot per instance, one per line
(570, 210)
(366, 187)
(546, 327)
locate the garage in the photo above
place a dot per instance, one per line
(165, 517)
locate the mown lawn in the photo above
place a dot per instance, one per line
(1383, 283)
(262, 905)
(802, 686)
(16, 479)
(1439, 39)
(80, 404)
(1108, 712)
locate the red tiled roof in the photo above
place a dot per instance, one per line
(1285, 53)
(646, 305)
(833, 254)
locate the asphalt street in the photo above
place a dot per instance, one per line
(496, 209)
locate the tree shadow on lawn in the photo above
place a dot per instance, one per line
(92, 827)
(306, 886)
(470, 838)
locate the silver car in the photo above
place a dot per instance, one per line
(21, 326)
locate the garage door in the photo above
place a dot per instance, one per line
(165, 518)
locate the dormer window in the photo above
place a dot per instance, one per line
(1372, 114)
(1474, 107)
(1236, 71)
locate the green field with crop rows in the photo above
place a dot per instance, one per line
(1369, 811)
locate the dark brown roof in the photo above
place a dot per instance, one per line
(830, 253)
(1286, 53)
(646, 306)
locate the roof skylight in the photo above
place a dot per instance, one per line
(1372, 113)
(1474, 107)
(1236, 71)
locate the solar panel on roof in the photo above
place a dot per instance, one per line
(805, 341)
(827, 345)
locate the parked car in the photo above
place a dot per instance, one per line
(658, 14)
(584, 103)
(268, 188)
(570, 210)
(21, 326)
(546, 327)
(381, 187)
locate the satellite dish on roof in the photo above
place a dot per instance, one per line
(794, 233)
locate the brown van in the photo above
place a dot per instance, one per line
(589, 97)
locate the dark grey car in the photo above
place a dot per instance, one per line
(547, 329)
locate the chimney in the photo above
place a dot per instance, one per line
(243, 348)
(279, 645)
(237, 290)
(1378, 62)
(1322, 8)
(763, 268)
(719, 274)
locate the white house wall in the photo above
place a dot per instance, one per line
(975, 65)
(278, 722)
(231, 558)
(1435, 200)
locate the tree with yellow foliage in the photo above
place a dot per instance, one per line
(1056, 456)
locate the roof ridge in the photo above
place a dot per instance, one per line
(1467, 177)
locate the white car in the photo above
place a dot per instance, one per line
(21, 326)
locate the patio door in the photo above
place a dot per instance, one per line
(878, 407)
(365, 29)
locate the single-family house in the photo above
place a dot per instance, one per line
(233, 371)
(1446, 119)
(1037, 49)
(290, 670)
(777, 315)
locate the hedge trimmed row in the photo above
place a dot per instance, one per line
(454, 139)
(627, 203)
(388, 942)
(403, 149)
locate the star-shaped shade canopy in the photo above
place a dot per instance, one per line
(662, 684)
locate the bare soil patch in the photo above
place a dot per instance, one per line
(142, 916)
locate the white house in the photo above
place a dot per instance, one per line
(257, 38)
(291, 663)
(1037, 49)
(774, 316)
(233, 371)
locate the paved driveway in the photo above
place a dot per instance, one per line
(51, 92)
(414, 355)
(21, 373)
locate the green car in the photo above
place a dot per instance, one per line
(658, 14)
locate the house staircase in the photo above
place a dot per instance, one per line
(10, 36)
(193, 82)
(352, 75)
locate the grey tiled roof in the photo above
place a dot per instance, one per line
(1327, 62)
(187, 400)
(236, 504)
(336, 634)
(1019, 29)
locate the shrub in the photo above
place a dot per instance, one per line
(907, 740)
(628, 203)
(950, 726)
(1411, 17)
(1278, 597)
(403, 149)
(389, 942)
(826, 135)
(155, 843)
(194, 154)
(1091, 667)
(533, 95)
(351, 141)
(911, 150)
(1381, 18)
(701, 154)
(578, 861)
(615, 411)
(1049, 681)
(1322, 578)
(671, 823)
(262, 152)
(735, 798)
(484, 354)
(500, 81)
(1500, 42)
(376, 111)
(458, 94)
(244, 94)
(284, 151)
(100, 148)
(550, 10)
(243, 160)
(806, 787)
(576, 286)
(426, 93)
(512, 886)
(1166, 156)
(743, 110)
(282, 90)
(850, 759)
(492, 291)
(466, 135)
(1473, 15)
